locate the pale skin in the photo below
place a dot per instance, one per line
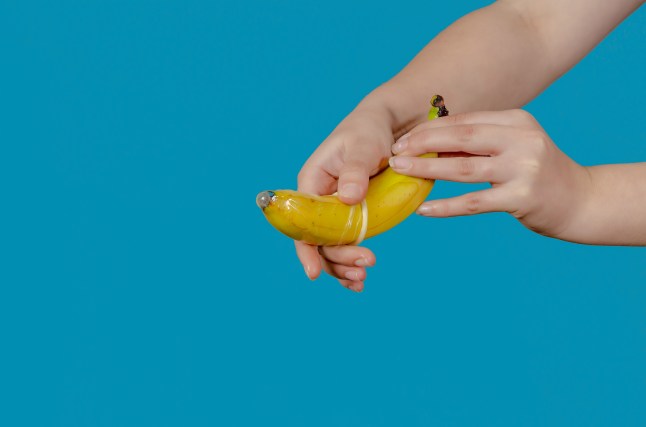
(486, 65)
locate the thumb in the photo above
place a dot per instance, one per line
(353, 181)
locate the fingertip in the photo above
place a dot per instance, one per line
(361, 262)
(352, 285)
(400, 164)
(348, 255)
(400, 146)
(315, 268)
(353, 182)
(426, 209)
(433, 209)
(365, 261)
(309, 257)
(312, 272)
(356, 275)
(351, 193)
(357, 287)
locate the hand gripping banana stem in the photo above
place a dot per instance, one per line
(326, 221)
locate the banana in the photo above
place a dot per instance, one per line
(326, 221)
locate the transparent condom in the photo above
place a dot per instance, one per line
(364, 222)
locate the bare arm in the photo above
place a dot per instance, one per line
(499, 57)
(614, 213)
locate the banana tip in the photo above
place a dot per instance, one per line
(263, 199)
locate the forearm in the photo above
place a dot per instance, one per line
(489, 59)
(614, 211)
(498, 57)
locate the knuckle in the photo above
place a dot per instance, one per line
(486, 171)
(523, 195)
(354, 167)
(466, 166)
(418, 142)
(359, 164)
(465, 132)
(301, 178)
(414, 138)
(535, 137)
(522, 200)
(473, 203)
(359, 150)
(531, 168)
(538, 142)
(455, 119)
(521, 116)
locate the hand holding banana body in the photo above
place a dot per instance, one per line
(327, 221)
(357, 149)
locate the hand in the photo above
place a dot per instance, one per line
(530, 177)
(357, 149)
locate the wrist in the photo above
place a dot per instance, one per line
(392, 104)
(376, 104)
(578, 227)
(614, 212)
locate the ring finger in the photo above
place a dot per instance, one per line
(350, 277)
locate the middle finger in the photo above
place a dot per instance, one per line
(458, 169)
(348, 255)
(480, 139)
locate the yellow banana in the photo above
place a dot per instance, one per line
(326, 221)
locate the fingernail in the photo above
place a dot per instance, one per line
(400, 145)
(426, 209)
(352, 275)
(355, 288)
(307, 272)
(350, 191)
(361, 262)
(400, 163)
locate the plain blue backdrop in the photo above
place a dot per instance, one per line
(141, 286)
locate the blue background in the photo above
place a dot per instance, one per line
(140, 285)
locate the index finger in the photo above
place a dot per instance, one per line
(313, 179)
(309, 257)
(517, 118)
